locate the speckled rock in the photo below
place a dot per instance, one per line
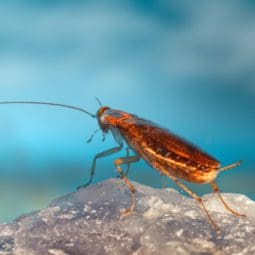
(164, 222)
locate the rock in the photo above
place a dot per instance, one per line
(164, 222)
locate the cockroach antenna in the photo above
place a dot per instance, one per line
(51, 104)
(99, 102)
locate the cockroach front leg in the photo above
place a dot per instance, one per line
(217, 191)
(100, 155)
(127, 160)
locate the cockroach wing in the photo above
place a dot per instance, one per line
(143, 135)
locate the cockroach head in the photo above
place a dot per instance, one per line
(101, 119)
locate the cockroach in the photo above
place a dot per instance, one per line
(164, 151)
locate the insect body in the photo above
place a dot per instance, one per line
(161, 149)
(171, 155)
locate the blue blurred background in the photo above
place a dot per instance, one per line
(188, 65)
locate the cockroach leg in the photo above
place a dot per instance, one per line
(197, 198)
(217, 191)
(126, 160)
(100, 155)
(128, 164)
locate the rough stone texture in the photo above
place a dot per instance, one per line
(164, 222)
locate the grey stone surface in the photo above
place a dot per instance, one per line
(164, 222)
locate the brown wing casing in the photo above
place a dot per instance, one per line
(164, 150)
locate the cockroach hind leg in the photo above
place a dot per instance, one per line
(196, 197)
(211, 221)
(217, 192)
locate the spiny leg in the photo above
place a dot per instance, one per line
(217, 191)
(100, 155)
(117, 163)
(196, 197)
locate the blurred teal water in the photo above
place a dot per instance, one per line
(188, 67)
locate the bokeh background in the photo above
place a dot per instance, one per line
(188, 65)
